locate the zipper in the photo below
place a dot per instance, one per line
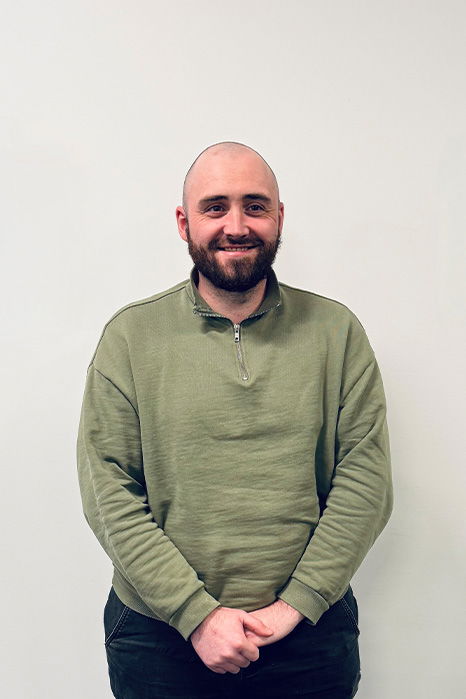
(239, 352)
(237, 335)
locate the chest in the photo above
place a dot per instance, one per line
(235, 382)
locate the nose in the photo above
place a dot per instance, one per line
(234, 222)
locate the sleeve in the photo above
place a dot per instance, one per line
(360, 499)
(111, 477)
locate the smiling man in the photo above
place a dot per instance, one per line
(235, 236)
(234, 463)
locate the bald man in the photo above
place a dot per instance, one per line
(234, 462)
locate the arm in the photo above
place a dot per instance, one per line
(111, 476)
(360, 498)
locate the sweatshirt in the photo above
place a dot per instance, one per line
(233, 464)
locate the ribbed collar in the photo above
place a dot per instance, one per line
(272, 297)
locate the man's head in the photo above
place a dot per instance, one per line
(231, 216)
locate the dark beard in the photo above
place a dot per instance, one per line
(240, 275)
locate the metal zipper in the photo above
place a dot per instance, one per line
(239, 352)
(237, 336)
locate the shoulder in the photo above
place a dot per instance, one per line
(316, 315)
(160, 301)
(134, 319)
(316, 305)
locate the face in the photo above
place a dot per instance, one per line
(233, 219)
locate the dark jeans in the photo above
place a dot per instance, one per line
(148, 659)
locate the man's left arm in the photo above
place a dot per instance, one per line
(358, 505)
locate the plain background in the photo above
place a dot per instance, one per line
(360, 109)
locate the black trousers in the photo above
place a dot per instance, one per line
(147, 659)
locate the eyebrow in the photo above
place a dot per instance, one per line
(246, 197)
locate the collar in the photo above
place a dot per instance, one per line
(271, 300)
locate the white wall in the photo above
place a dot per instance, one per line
(360, 108)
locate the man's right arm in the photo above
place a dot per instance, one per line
(111, 477)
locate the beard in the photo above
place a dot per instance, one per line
(236, 275)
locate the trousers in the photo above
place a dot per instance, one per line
(148, 659)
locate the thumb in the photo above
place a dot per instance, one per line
(256, 625)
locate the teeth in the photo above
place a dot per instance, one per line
(235, 248)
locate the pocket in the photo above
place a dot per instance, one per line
(341, 617)
(115, 615)
(350, 606)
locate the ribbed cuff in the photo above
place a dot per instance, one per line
(304, 599)
(193, 612)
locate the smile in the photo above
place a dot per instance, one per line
(237, 248)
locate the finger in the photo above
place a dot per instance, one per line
(256, 625)
(250, 650)
(260, 640)
(229, 667)
(239, 659)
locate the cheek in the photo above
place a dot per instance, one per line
(202, 230)
(268, 228)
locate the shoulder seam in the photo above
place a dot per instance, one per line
(313, 293)
(114, 386)
(134, 304)
(144, 302)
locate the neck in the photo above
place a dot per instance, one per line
(234, 305)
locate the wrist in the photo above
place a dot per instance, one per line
(291, 611)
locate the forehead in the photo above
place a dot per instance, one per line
(230, 173)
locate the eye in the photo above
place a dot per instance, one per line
(255, 208)
(215, 209)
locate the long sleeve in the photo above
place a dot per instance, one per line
(111, 476)
(360, 498)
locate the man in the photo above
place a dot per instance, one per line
(234, 462)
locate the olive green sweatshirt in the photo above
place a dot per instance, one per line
(232, 465)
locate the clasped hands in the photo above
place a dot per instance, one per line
(229, 639)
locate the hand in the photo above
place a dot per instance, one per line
(280, 617)
(220, 640)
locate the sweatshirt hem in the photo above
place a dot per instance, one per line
(127, 595)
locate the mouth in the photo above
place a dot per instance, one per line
(237, 249)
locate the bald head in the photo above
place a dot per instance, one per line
(226, 154)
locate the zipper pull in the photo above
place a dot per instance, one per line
(236, 328)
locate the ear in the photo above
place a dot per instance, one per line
(182, 222)
(281, 215)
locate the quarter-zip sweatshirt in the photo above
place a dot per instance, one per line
(233, 464)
